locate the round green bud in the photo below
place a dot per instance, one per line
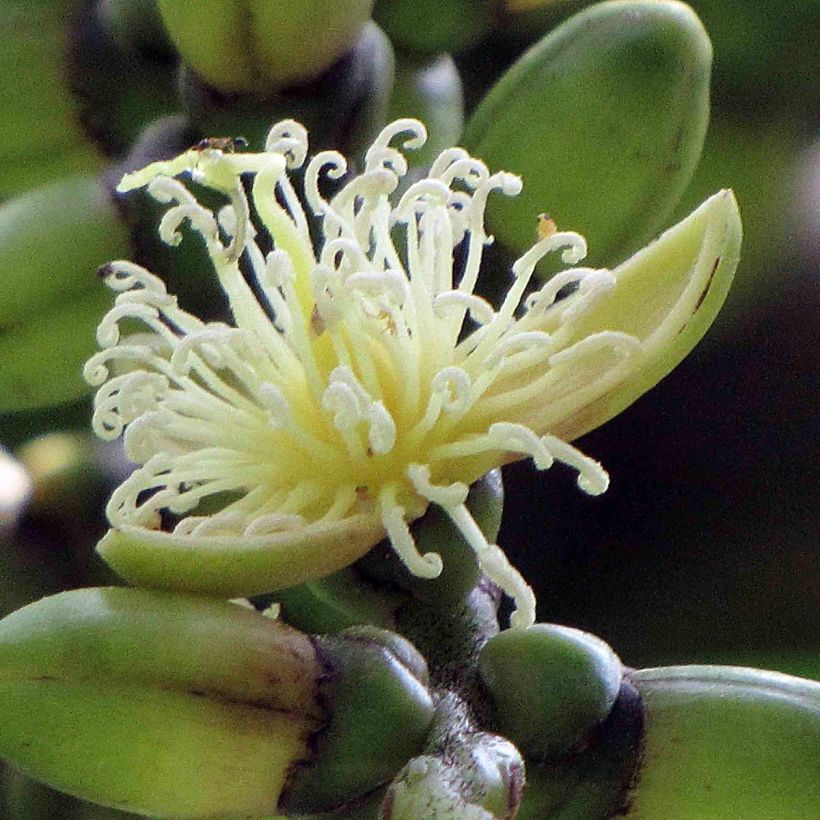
(52, 240)
(550, 686)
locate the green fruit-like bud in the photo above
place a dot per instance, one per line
(259, 46)
(728, 742)
(380, 714)
(162, 704)
(52, 240)
(611, 107)
(550, 686)
(343, 110)
(448, 25)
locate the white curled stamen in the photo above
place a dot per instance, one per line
(393, 519)
(445, 496)
(454, 386)
(479, 309)
(274, 523)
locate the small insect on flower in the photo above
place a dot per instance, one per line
(546, 226)
(362, 378)
(221, 144)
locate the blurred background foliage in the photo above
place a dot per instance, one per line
(706, 546)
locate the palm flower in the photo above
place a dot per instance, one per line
(363, 378)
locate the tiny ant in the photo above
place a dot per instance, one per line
(229, 144)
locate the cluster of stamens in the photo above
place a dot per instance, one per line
(366, 375)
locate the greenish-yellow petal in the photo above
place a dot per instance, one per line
(667, 295)
(233, 566)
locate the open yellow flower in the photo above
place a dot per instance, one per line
(363, 378)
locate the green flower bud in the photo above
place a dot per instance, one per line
(155, 703)
(550, 686)
(42, 135)
(259, 46)
(611, 108)
(727, 742)
(52, 240)
(448, 25)
(380, 715)
(346, 109)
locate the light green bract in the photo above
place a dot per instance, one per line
(363, 378)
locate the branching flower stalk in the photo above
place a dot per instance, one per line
(363, 377)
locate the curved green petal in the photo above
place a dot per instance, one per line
(666, 295)
(238, 566)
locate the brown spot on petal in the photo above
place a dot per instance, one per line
(708, 284)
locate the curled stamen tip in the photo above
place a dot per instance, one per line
(430, 566)
(522, 619)
(511, 184)
(594, 482)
